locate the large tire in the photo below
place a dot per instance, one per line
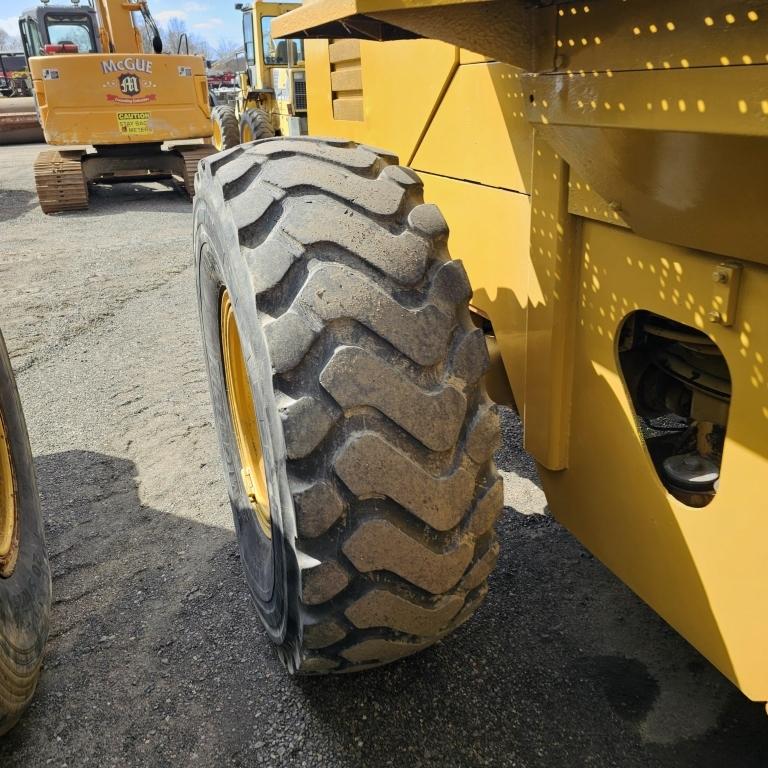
(365, 370)
(25, 579)
(255, 124)
(226, 131)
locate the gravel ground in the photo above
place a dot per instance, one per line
(156, 656)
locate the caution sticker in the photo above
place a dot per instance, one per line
(133, 122)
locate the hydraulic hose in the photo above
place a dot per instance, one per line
(157, 43)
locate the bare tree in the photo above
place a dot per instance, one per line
(226, 48)
(146, 36)
(200, 46)
(9, 42)
(174, 34)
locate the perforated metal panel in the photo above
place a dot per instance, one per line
(300, 93)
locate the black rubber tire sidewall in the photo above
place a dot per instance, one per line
(226, 118)
(268, 565)
(259, 123)
(25, 595)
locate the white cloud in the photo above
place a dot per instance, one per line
(10, 25)
(163, 17)
(186, 12)
(209, 24)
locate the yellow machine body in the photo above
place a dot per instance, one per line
(121, 98)
(95, 85)
(121, 95)
(600, 168)
(274, 80)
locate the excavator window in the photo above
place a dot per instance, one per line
(30, 36)
(71, 29)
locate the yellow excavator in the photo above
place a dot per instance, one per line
(95, 85)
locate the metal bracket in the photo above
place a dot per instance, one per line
(726, 280)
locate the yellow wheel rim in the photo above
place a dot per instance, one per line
(246, 133)
(244, 422)
(9, 531)
(217, 142)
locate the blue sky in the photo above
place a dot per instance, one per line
(213, 20)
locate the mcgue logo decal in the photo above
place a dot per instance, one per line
(128, 64)
(131, 80)
(130, 85)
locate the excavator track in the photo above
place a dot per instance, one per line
(60, 181)
(192, 155)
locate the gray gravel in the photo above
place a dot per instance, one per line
(156, 657)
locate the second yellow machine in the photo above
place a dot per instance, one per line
(95, 85)
(272, 93)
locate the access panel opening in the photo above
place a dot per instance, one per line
(680, 387)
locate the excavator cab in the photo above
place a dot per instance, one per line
(52, 29)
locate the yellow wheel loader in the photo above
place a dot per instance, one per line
(25, 577)
(95, 85)
(597, 169)
(272, 97)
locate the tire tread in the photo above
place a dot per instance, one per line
(389, 432)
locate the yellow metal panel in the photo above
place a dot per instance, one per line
(480, 132)
(469, 57)
(117, 19)
(489, 233)
(343, 50)
(402, 83)
(703, 570)
(731, 100)
(584, 201)
(550, 324)
(674, 153)
(347, 80)
(692, 189)
(661, 34)
(83, 96)
(320, 12)
(349, 108)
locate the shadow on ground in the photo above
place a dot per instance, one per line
(15, 203)
(156, 658)
(155, 196)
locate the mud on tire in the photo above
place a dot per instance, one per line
(366, 373)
